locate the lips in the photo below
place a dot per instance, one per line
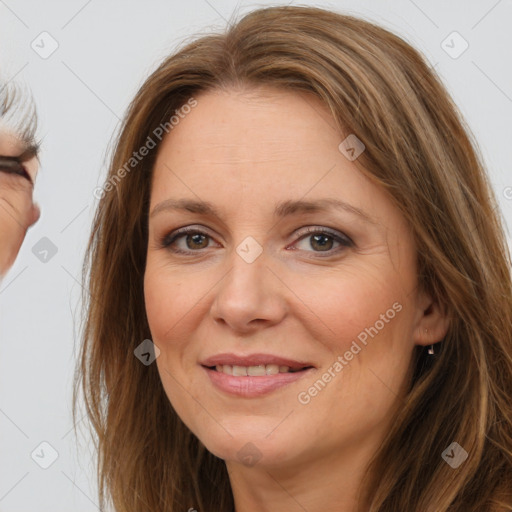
(254, 360)
(243, 376)
(254, 384)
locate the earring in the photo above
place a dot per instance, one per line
(431, 348)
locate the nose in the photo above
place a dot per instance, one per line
(250, 296)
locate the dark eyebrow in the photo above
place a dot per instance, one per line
(283, 209)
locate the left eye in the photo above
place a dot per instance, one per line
(324, 240)
(320, 240)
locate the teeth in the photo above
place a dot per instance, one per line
(256, 371)
(253, 371)
(239, 371)
(272, 369)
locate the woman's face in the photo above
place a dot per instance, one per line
(341, 299)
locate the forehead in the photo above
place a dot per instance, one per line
(244, 136)
(254, 123)
(257, 149)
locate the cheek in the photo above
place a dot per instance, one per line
(169, 298)
(176, 304)
(172, 308)
(343, 304)
(159, 301)
(363, 318)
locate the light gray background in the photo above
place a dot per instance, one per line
(106, 49)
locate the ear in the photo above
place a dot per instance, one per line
(431, 323)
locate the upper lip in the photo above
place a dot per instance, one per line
(253, 360)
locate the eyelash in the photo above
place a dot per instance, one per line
(14, 165)
(168, 240)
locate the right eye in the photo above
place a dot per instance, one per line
(194, 239)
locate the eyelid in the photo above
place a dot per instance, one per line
(344, 240)
(323, 229)
(13, 165)
(193, 228)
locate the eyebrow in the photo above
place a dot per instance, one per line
(283, 209)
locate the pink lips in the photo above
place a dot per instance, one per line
(249, 386)
(253, 360)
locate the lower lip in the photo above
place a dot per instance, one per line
(249, 387)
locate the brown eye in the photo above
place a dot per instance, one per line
(322, 240)
(194, 240)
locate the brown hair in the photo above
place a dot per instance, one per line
(419, 149)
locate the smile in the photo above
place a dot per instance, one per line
(254, 371)
(253, 381)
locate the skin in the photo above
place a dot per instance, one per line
(17, 210)
(245, 151)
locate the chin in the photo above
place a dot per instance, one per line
(251, 447)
